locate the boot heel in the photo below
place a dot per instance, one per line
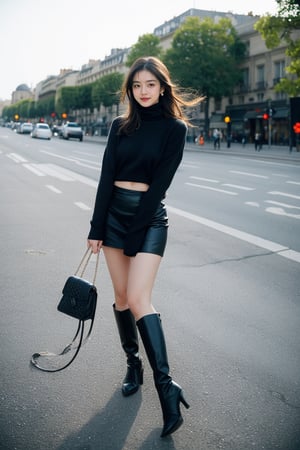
(183, 400)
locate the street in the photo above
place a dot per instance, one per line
(228, 292)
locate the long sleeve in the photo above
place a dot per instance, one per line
(161, 180)
(105, 186)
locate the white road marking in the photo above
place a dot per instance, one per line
(249, 174)
(16, 158)
(59, 172)
(281, 212)
(53, 189)
(284, 205)
(212, 189)
(247, 237)
(33, 169)
(236, 186)
(209, 180)
(294, 182)
(82, 206)
(55, 171)
(77, 161)
(284, 194)
(190, 166)
(256, 204)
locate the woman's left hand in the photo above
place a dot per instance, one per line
(94, 245)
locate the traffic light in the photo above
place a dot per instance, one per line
(296, 127)
(16, 117)
(266, 116)
(227, 119)
(64, 115)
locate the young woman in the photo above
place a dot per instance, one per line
(130, 222)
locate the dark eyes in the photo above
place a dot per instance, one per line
(137, 85)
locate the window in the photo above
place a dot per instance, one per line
(260, 96)
(279, 71)
(260, 77)
(244, 85)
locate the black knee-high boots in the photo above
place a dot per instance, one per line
(129, 341)
(170, 393)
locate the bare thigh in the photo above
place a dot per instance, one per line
(118, 267)
(141, 278)
(133, 279)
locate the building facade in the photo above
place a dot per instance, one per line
(262, 70)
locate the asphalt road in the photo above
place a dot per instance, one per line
(229, 304)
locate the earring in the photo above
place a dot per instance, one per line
(162, 94)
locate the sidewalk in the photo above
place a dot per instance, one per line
(273, 152)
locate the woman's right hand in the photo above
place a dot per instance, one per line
(94, 245)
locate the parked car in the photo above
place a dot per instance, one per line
(25, 128)
(42, 131)
(72, 130)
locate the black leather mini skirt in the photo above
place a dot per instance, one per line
(123, 207)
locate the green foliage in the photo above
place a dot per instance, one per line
(284, 27)
(106, 90)
(205, 56)
(67, 100)
(28, 109)
(44, 107)
(84, 96)
(147, 45)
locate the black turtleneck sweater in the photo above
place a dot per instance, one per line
(150, 155)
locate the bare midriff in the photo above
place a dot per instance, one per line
(132, 185)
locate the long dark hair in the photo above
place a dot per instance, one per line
(172, 102)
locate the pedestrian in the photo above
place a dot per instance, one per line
(130, 223)
(217, 138)
(244, 140)
(257, 141)
(201, 139)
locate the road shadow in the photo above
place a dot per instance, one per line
(109, 428)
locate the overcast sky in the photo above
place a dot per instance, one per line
(39, 38)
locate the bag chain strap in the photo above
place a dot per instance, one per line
(80, 329)
(84, 262)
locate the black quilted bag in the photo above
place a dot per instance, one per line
(79, 300)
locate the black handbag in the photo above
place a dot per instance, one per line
(79, 300)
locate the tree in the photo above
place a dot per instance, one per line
(147, 45)
(205, 57)
(66, 99)
(106, 90)
(84, 96)
(284, 26)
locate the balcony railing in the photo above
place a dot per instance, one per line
(242, 88)
(261, 85)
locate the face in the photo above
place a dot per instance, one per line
(146, 88)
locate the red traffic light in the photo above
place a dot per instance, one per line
(296, 127)
(265, 116)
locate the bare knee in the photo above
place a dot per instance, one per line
(121, 300)
(140, 306)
